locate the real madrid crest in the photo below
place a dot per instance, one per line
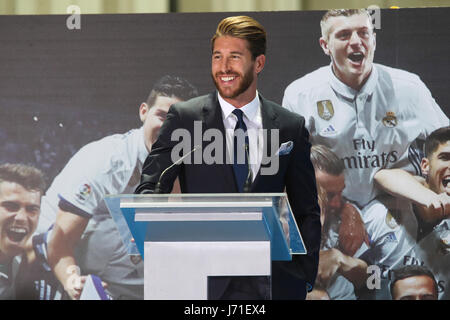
(390, 120)
(390, 221)
(325, 109)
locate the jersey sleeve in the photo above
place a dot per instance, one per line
(426, 108)
(289, 98)
(297, 101)
(85, 181)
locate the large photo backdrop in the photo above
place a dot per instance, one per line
(61, 89)
(73, 81)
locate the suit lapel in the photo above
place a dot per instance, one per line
(212, 114)
(212, 119)
(269, 122)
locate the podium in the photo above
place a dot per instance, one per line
(186, 240)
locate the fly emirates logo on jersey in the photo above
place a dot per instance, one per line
(366, 157)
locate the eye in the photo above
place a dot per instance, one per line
(364, 33)
(33, 210)
(10, 206)
(343, 35)
(161, 114)
(331, 195)
(445, 156)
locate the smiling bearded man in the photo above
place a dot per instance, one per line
(238, 56)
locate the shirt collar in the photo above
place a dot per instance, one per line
(250, 109)
(349, 92)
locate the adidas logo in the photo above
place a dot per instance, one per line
(328, 131)
(391, 238)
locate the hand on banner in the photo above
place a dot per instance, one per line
(438, 206)
(75, 283)
(334, 261)
(329, 264)
(352, 232)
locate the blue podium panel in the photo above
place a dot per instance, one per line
(124, 220)
(207, 217)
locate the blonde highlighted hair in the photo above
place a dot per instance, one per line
(246, 28)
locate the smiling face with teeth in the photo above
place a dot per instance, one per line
(350, 43)
(437, 169)
(234, 71)
(19, 214)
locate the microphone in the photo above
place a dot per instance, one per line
(158, 184)
(249, 180)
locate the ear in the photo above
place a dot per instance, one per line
(260, 61)
(143, 110)
(324, 44)
(425, 166)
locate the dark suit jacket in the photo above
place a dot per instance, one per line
(295, 172)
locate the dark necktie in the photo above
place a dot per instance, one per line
(241, 151)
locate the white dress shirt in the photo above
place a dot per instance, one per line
(253, 121)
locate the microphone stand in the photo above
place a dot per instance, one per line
(158, 184)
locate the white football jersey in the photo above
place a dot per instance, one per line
(368, 129)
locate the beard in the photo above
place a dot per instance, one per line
(246, 81)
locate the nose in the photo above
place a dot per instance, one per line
(335, 202)
(21, 215)
(355, 39)
(224, 65)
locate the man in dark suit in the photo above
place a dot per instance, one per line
(238, 56)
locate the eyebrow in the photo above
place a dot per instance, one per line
(232, 52)
(351, 29)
